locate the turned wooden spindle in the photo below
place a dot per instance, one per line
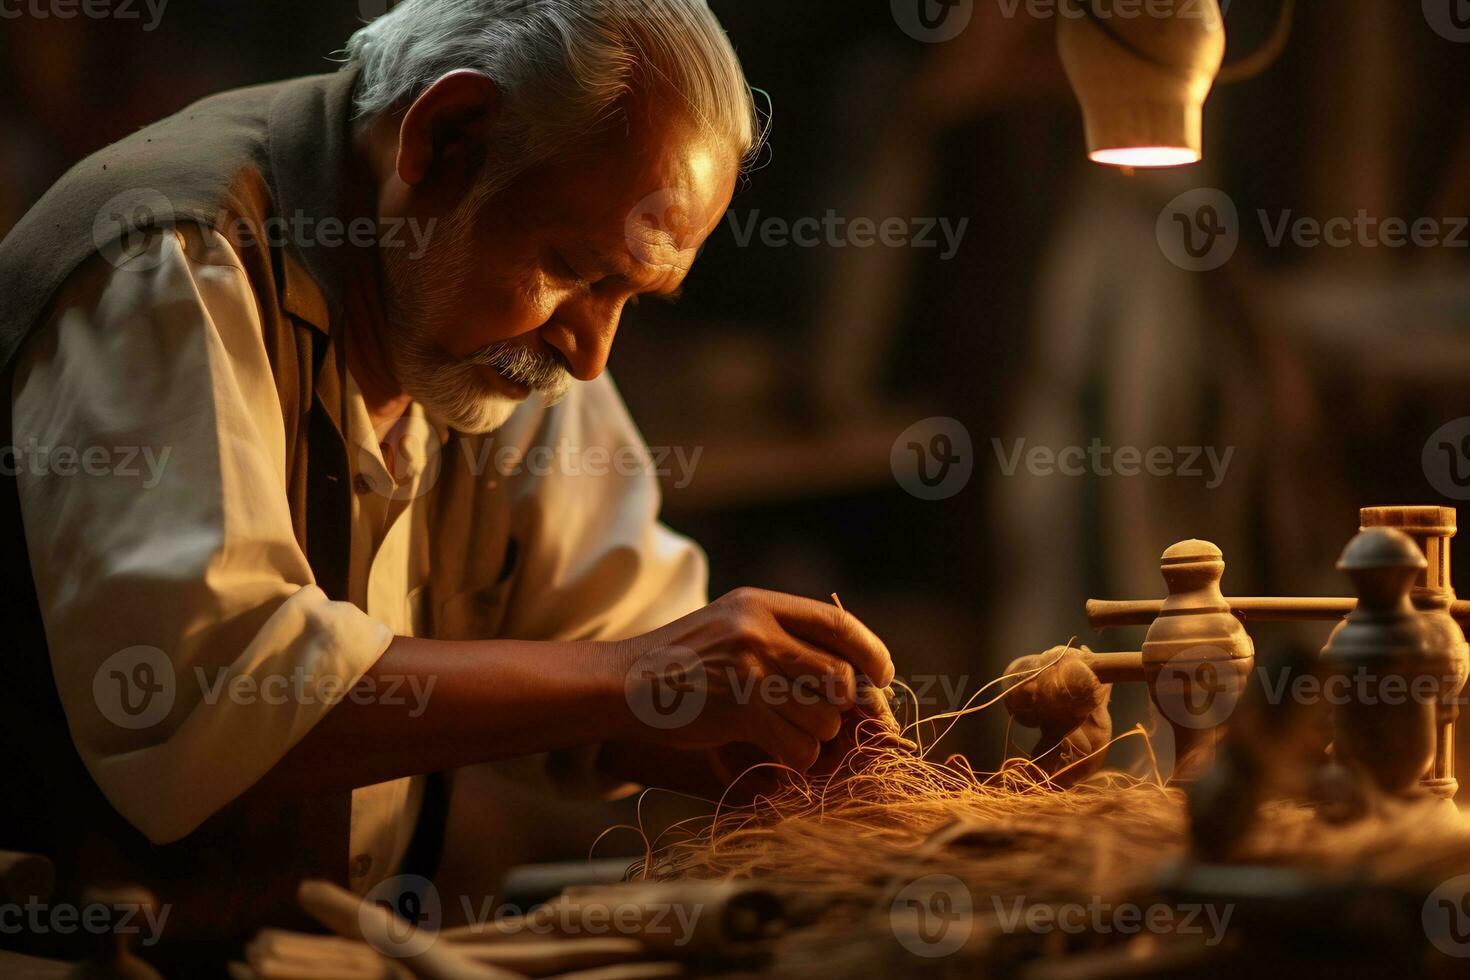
(1382, 730)
(1195, 660)
(1433, 595)
(1196, 655)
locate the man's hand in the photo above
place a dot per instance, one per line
(771, 670)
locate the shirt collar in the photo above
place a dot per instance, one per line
(417, 439)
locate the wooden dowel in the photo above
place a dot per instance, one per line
(540, 959)
(1103, 613)
(1115, 668)
(347, 915)
(629, 971)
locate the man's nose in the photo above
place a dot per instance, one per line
(584, 334)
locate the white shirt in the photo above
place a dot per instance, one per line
(190, 644)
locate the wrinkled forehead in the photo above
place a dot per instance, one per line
(657, 185)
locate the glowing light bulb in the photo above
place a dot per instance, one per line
(1146, 156)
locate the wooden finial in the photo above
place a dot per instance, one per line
(1385, 726)
(1196, 656)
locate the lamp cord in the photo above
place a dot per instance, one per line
(1246, 68)
(1267, 54)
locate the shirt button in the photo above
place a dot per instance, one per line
(361, 865)
(362, 484)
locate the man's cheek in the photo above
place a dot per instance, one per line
(486, 317)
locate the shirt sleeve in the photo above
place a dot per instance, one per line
(190, 645)
(596, 562)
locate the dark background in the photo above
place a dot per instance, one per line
(1059, 320)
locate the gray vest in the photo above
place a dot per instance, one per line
(274, 151)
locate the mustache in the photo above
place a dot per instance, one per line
(547, 372)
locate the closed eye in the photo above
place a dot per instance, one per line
(565, 271)
(670, 299)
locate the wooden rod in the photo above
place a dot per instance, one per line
(1104, 614)
(1115, 668)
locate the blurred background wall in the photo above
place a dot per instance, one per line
(1325, 377)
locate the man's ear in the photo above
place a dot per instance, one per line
(446, 130)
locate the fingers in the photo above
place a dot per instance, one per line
(834, 630)
(820, 720)
(816, 674)
(785, 742)
(877, 703)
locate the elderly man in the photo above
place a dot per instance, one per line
(275, 367)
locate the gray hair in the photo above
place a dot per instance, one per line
(564, 67)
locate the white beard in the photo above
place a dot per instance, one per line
(450, 389)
